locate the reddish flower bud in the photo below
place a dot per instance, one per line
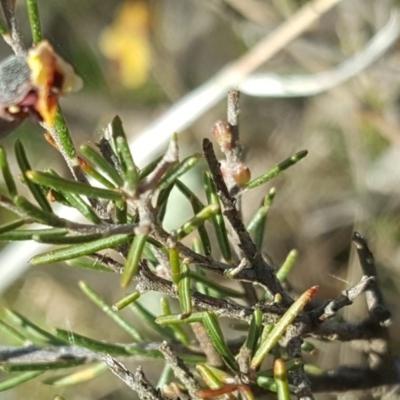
(241, 174)
(222, 134)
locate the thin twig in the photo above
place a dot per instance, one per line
(147, 281)
(213, 357)
(375, 302)
(137, 382)
(260, 271)
(180, 370)
(346, 298)
(298, 376)
(233, 121)
(16, 43)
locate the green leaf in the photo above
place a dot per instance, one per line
(71, 239)
(162, 202)
(10, 332)
(254, 331)
(102, 164)
(131, 266)
(130, 170)
(83, 375)
(165, 377)
(267, 383)
(93, 173)
(64, 141)
(308, 348)
(10, 383)
(217, 219)
(208, 376)
(149, 168)
(288, 265)
(78, 203)
(7, 175)
(174, 259)
(78, 250)
(121, 147)
(277, 170)
(107, 309)
(210, 322)
(197, 247)
(176, 319)
(198, 220)
(178, 170)
(38, 214)
(4, 31)
(41, 366)
(121, 212)
(257, 224)
(30, 330)
(9, 226)
(184, 293)
(125, 301)
(281, 379)
(91, 344)
(65, 185)
(150, 321)
(197, 206)
(280, 327)
(34, 21)
(180, 334)
(28, 234)
(36, 190)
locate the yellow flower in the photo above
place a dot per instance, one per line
(51, 77)
(126, 43)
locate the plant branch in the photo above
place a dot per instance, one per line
(375, 302)
(180, 370)
(346, 298)
(137, 382)
(259, 271)
(15, 41)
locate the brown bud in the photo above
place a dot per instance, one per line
(241, 174)
(222, 133)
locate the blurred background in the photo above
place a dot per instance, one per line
(138, 58)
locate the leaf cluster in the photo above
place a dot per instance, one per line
(123, 208)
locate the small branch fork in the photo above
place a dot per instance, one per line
(346, 298)
(259, 271)
(137, 381)
(374, 297)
